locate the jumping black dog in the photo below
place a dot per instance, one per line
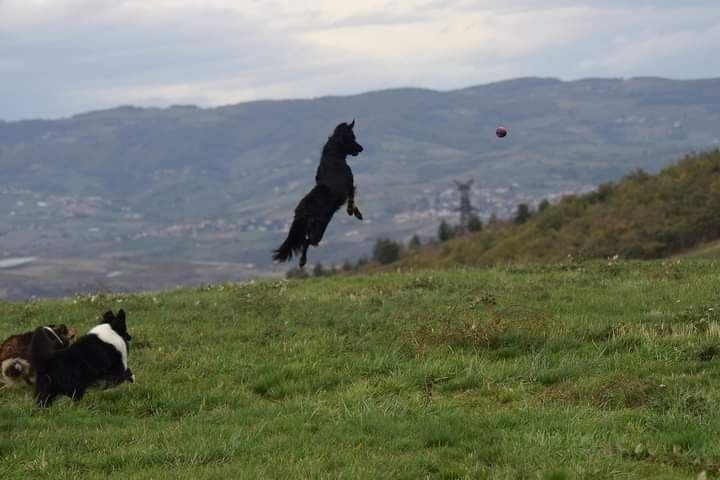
(334, 185)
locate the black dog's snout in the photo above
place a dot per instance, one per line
(359, 147)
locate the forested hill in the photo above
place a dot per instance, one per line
(146, 198)
(642, 216)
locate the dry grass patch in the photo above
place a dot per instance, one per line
(483, 325)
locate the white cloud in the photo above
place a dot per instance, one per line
(659, 43)
(64, 56)
(450, 34)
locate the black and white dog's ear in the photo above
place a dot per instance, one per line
(108, 317)
(120, 326)
(352, 124)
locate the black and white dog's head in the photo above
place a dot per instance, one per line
(117, 323)
(344, 137)
(113, 331)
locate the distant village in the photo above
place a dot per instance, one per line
(27, 210)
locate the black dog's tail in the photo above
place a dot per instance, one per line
(294, 242)
(41, 349)
(312, 216)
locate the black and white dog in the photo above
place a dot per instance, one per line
(98, 359)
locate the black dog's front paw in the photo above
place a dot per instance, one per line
(357, 213)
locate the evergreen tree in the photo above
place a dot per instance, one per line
(386, 251)
(445, 231)
(522, 214)
(493, 220)
(414, 242)
(319, 270)
(474, 224)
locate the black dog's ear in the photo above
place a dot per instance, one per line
(41, 348)
(108, 317)
(121, 315)
(352, 124)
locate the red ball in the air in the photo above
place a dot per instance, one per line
(501, 132)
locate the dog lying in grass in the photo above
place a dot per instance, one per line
(334, 185)
(97, 359)
(15, 366)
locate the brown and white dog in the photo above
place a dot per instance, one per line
(15, 366)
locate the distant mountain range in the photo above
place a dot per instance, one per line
(166, 190)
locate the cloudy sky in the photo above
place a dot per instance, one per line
(60, 57)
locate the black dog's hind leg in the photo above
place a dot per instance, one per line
(352, 209)
(78, 394)
(316, 227)
(44, 396)
(307, 242)
(45, 402)
(303, 257)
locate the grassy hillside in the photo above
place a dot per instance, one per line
(710, 250)
(642, 216)
(182, 184)
(573, 371)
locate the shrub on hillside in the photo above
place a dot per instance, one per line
(319, 270)
(414, 242)
(522, 214)
(386, 251)
(474, 224)
(297, 273)
(642, 216)
(445, 231)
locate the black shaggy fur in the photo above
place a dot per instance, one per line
(97, 359)
(15, 368)
(334, 185)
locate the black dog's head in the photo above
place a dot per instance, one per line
(117, 323)
(345, 138)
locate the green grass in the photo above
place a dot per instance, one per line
(602, 370)
(708, 251)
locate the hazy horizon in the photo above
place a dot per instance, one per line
(63, 57)
(349, 94)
